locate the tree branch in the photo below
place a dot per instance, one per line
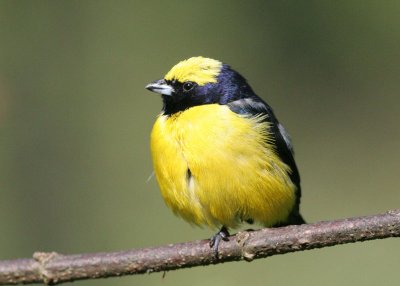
(54, 268)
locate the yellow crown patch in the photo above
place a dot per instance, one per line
(197, 69)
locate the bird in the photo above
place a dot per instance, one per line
(220, 156)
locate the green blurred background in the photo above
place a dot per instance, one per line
(75, 122)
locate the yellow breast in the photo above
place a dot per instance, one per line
(215, 167)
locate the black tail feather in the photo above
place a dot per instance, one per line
(294, 219)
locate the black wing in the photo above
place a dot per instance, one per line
(256, 106)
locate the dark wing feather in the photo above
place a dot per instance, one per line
(256, 106)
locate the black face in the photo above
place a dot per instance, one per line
(188, 94)
(230, 86)
(181, 90)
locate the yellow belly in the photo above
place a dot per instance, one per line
(234, 174)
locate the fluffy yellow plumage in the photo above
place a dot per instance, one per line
(197, 69)
(235, 174)
(220, 155)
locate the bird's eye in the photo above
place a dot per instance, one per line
(187, 86)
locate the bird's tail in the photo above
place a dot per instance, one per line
(297, 219)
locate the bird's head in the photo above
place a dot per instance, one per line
(199, 81)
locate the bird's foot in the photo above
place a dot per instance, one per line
(216, 239)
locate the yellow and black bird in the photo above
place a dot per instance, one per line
(220, 155)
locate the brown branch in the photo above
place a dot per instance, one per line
(54, 268)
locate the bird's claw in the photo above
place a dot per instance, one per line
(216, 239)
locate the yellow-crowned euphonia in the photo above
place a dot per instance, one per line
(220, 155)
